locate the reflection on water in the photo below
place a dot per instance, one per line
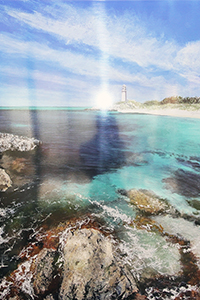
(104, 151)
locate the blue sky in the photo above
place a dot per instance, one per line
(80, 53)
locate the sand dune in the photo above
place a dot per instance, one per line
(174, 112)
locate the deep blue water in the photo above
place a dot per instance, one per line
(84, 159)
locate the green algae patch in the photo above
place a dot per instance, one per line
(194, 203)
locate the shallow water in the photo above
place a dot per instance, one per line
(85, 158)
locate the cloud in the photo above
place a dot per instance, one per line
(120, 37)
(41, 52)
(188, 63)
(75, 63)
(189, 55)
(95, 48)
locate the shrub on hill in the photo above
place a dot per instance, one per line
(191, 100)
(173, 100)
(179, 100)
(152, 102)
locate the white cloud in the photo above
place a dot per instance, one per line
(188, 63)
(189, 55)
(119, 37)
(76, 63)
(124, 38)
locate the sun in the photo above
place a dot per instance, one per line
(104, 99)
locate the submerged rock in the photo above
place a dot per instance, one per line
(16, 143)
(184, 183)
(91, 271)
(195, 203)
(5, 181)
(148, 202)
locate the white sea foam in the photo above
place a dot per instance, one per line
(169, 294)
(148, 253)
(22, 278)
(114, 212)
(183, 228)
(25, 276)
(5, 286)
(2, 239)
(2, 212)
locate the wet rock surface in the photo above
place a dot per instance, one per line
(44, 266)
(91, 270)
(5, 181)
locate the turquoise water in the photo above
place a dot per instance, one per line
(85, 158)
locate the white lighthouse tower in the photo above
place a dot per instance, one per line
(124, 93)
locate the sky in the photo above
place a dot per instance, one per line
(80, 53)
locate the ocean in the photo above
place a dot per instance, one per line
(85, 164)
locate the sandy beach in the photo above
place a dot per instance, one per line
(173, 112)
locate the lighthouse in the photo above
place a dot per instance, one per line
(124, 93)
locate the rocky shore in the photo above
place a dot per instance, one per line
(81, 260)
(78, 263)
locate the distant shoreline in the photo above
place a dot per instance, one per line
(172, 112)
(192, 111)
(181, 110)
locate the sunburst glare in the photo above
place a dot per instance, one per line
(104, 99)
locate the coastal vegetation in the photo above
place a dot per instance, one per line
(177, 102)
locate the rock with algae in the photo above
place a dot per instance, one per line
(148, 202)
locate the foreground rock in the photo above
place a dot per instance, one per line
(91, 271)
(16, 143)
(80, 264)
(5, 181)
